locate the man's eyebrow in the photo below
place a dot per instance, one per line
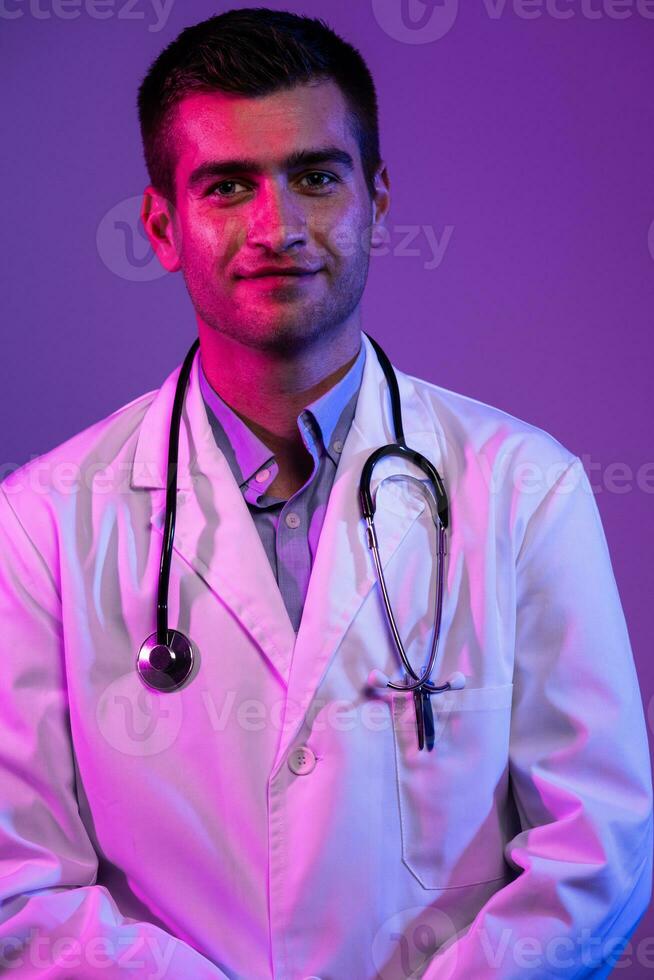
(300, 158)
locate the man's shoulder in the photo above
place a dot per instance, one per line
(475, 429)
(106, 443)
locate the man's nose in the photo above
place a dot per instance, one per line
(277, 218)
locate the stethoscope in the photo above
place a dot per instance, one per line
(166, 657)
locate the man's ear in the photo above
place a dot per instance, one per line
(380, 206)
(162, 228)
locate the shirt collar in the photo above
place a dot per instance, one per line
(331, 415)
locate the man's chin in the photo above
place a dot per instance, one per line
(287, 334)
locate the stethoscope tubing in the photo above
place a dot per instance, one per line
(171, 495)
(420, 680)
(166, 657)
(399, 448)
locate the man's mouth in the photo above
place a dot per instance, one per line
(277, 272)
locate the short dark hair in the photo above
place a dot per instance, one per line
(253, 51)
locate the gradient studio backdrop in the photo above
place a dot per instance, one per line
(520, 263)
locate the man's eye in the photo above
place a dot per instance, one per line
(223, 184)
(317, 179)
(330, 178)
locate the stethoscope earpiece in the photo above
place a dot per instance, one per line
(165, 666)
(378, 680)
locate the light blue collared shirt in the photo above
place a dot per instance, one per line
(289, 529)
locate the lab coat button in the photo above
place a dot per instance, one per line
(262, 476)
(302, 761)
(292, 520)
(337, 446)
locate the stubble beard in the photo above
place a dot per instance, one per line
(292, 325)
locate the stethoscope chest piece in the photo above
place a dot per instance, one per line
(165, 667)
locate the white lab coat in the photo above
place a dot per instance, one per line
(167, 834)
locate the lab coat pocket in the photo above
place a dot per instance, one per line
(452, 800)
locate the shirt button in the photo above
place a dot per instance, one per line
(262, 476)
(302, 761)
(292, 519)
(337, 446)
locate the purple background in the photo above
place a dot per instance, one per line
(529, 137)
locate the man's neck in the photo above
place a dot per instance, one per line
(268, 391)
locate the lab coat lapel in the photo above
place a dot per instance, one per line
(214, 531)
(343, 573)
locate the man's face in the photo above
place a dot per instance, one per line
(234, 220)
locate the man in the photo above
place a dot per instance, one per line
(274, 816)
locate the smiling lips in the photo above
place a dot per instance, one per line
(279, 272)
(280, 278)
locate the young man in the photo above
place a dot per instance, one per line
(274, 814)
